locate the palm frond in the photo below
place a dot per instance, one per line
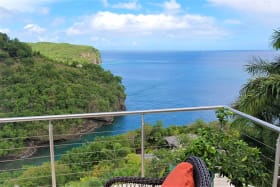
(259, 67)
(276, 66)
(276, 39)
(261, 97)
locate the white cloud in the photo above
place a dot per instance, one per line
(132, 5)
(23, 5)
(4, 30)
(257, 6)
(232, 21)
(33, 28)
(4, 13)
(120, 22)
(149, 24)
(77, 29)
(171, 6)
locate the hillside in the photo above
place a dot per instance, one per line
(68, 53)
(31, 85)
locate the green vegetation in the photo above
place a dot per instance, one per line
(31, 175)
(225, 153)
(276, 39)
(68, 53)
(227, 148)
(31, 85)
(223, 116)
(106, 157)
(260, 96)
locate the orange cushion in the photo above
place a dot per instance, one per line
(181, 176)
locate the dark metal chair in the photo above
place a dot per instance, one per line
(201, 177)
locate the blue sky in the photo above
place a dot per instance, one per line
(144, 24)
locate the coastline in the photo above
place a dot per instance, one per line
(32, 145)
(88, 125)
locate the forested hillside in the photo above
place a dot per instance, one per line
(31, 85)
(68, 53)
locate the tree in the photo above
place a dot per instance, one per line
(276, 39)
(31, 85)
(260, 96)
(3, 40)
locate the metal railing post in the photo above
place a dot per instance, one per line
(276, 162)
(142, 146)
(52, 154)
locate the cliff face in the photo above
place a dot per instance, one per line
(91, 57)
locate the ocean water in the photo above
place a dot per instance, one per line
(169, 79)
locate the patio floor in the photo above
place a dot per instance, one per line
(221, 182)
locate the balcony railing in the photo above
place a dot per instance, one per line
(141, 113)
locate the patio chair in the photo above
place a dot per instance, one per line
(201, 177)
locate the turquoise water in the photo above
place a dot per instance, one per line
(155, 80)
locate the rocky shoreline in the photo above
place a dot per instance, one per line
(89, 125)
(32, 145)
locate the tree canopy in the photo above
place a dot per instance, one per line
(276, 39)
(260, 96)
(31, 85)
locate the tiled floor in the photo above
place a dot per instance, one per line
(221, 182)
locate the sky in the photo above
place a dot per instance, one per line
(144, 24)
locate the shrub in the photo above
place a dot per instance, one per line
(85, 182)
(226, 154)
(41, 176)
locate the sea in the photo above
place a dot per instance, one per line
(175, 79)
(169, 79)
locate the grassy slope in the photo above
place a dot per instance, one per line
(67, 53)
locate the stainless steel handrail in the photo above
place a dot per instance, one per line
(103, 114)
(256, 120)
(136, 112)
(142, 113)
